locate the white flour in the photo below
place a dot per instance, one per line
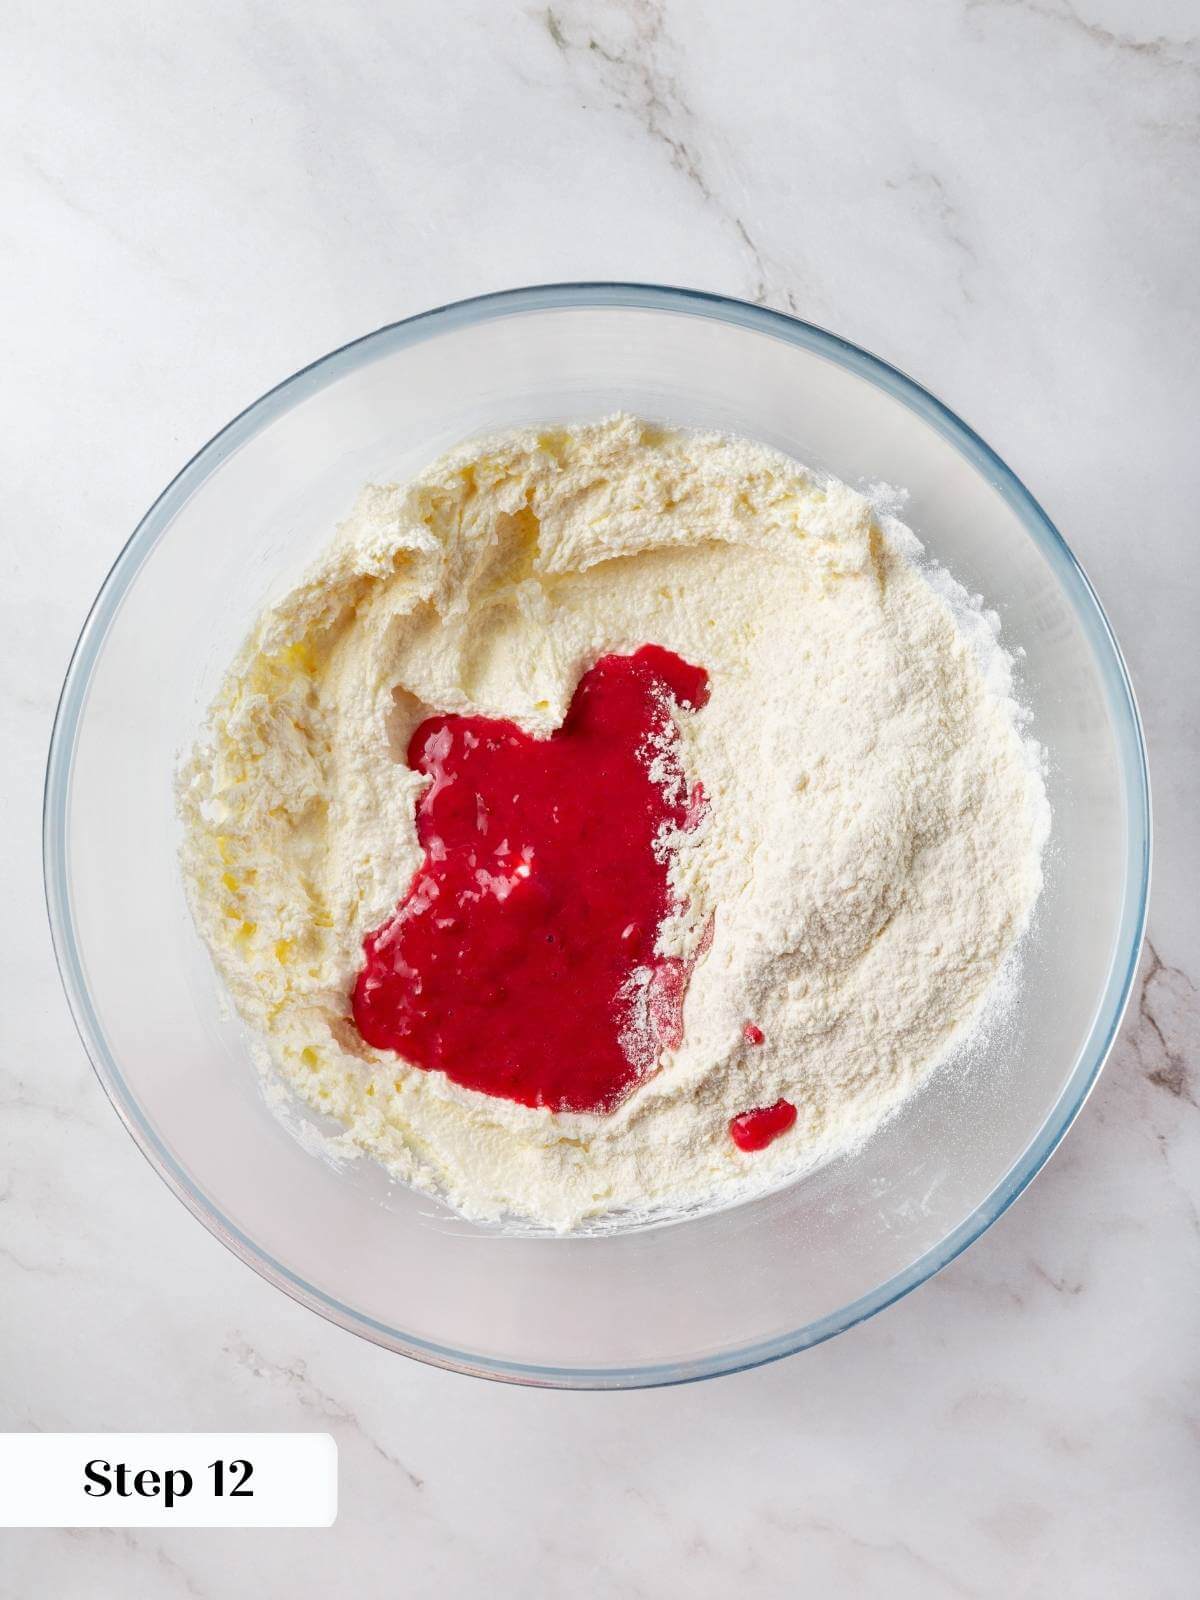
(869, 856)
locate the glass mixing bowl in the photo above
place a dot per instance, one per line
(665, 1304)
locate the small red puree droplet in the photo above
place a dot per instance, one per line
(521, 961)
(753, 1033)
(755, 1130)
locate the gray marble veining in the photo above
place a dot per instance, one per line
(997, 195)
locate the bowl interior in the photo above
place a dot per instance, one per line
(670, 1302)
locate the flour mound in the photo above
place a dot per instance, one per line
(868, 858)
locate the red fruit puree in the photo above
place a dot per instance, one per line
(755, 1130)
(521, 961)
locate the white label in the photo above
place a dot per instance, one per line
(167, 1480)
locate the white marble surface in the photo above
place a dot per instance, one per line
(999, 196)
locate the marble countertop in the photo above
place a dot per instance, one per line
(997, 195)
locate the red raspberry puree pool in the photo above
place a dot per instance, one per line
(521, 962)
(755, 1130)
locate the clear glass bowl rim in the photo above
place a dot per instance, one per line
(516, 302)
